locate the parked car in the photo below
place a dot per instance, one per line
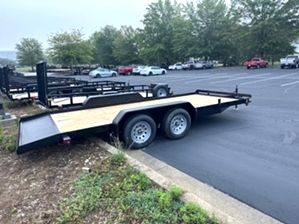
(102, 72)
(126, 70)
(291, 61)
(177, 66)
(256, 63)
(153, 70)
(137, 69)
(192, 65)
(204, 65)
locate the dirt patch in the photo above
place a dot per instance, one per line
(33, 185)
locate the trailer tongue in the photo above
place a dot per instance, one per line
(128, 115)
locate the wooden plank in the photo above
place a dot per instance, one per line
(83, 119)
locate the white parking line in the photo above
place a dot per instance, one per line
(212, 78)
(244, 77)
(262, 80)
(288, 84)
(189, 77)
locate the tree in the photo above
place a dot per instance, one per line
(125, 47)
(69, 48)
(29, 52)
(207, 18)
(156, 38)
(270, 27)
(102, 42)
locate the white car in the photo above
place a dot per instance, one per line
(102, 72)
(177, 66)
(137, 69)
(153, 70)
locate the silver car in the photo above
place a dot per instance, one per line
(102, 72)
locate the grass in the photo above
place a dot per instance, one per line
(8, 137)
(129, 196)
(23, 69)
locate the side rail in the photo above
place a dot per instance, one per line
(225, 94)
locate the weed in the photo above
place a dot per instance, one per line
(8, 140)
(192, 213)
(175, 192)
(118, 159)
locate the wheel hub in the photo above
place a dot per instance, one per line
(178, 124)
(141, 132)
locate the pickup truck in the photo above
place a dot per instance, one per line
(291, 61)
(256, 63)
(126, 70)
(192, 65)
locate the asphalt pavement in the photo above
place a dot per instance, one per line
(251, 154)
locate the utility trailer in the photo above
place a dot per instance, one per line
(66, 93)
(130, 116)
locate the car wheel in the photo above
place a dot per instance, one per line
(98, 76)
(176, 123)
(113, 74)
(258, 66)
(163, 72)
(266, 65)
(139, 131)
(150, 73)
(129, 73)
(204, 67)
(282, 66)
(248, 67)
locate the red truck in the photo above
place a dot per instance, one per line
(256, 63)
(126, 70)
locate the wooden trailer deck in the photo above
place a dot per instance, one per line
(69, 121)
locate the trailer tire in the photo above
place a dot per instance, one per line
(160, 91)
(176, 123)
(55, 93)
(139, 131)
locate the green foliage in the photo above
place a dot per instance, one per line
(87, 194)
(175, 192)
(69, 48)
(270, 26)
(7, 141)
(192, 213)
(5, 61)
(126, 195)
(29, 52)
(155, 39)
(102, 43)
(125, 47)
(118, 159)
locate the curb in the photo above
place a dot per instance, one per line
(225, 208)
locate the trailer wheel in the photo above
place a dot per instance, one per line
(139, 131)
(52, 93)
(176, 123)
(160, 91)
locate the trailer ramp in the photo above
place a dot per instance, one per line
(37, 131)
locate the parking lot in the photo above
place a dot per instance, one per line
(251, 153)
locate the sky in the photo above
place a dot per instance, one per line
(40, 18)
